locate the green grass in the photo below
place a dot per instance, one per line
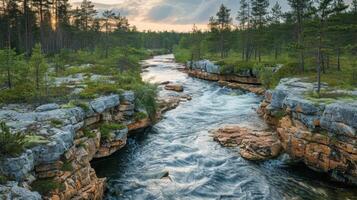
(328, 97)
(34, 140)
(233, 64)
(77, 103)
(45, 186)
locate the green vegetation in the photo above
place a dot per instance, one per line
(140, 116)
(34, 140)
(12, 144)
(67, 166)
(45, 186)
(107, 129)
(3, 179)
(56, 122)
(320, 45)
(328, 97)
(77, 103)
(279, 114)
(88, 133)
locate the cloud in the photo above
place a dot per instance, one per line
(153, 14)
(160, 12)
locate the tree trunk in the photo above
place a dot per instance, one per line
(338, 59)
(318, 71)
(322, 62)
(221, 45)
(37, 78)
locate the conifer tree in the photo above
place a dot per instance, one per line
(38, 66)
(221, 25)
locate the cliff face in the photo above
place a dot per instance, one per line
(59, 165)
(207, 70)
(322, 135)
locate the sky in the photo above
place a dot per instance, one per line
(178, 15)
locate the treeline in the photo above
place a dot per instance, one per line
(56, 25)
(310, 35)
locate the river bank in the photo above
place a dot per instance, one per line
(177, 157)
(63, 139)
(320, 132)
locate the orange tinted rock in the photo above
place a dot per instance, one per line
(174, 87)
(254, 145)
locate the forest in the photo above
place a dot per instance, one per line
(314, 39)
(41, 40)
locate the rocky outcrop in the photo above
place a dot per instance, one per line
(256, 89)
(11, 190)
(320, 134)
(254, 144)
(174, 87)
(207, 70)
(218, 77)
(70, 138)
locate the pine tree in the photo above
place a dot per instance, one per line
(324, 9)
(108, 15)
(276, 13)
(221, 24)
(244, 19)
(7, 64)
(87, 13)
(300, 10)
(243, 14)
(354, 6)
(259, 13)
(38, 66)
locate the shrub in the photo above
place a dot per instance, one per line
(96, 89)
(45, 186)
(12, 144)
(67, 166)
(106, 129)
(266, 77)
(146, 99)
(56, 122)
(140, 116)
(19, 94)
(77, 103)
(3, 179)
(88, 133)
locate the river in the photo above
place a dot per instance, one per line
(198, 167)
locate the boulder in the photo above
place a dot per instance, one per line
(174, 87)
(128, 96)
(11, 191)
(103, 103)
(206, 66)
(47, 107)
(338, 116)
(254, 144)
(300, 105)
(60, 142)
(19, 167)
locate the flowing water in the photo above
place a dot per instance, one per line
(198, 167)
